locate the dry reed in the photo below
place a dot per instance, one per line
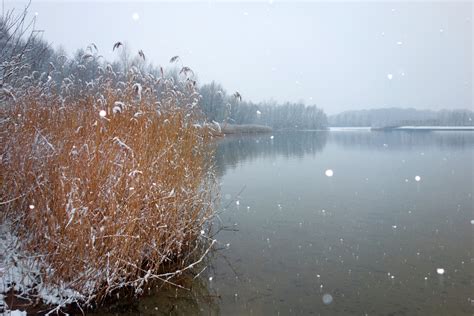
(108, 182)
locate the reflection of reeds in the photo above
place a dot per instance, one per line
(197, 298)
(109, 186)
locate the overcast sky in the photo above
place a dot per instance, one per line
(339, 56)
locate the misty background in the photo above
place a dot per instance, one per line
(338, 56)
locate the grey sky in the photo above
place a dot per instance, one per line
(336, 55)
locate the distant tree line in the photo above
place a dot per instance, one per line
(399, 117)
(220, 107)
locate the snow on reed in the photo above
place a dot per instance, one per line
(105, 184)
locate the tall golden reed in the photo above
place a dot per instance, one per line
(110, 185)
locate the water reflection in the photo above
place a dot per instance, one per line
(406, 140)
(195, 298)
(234, 149)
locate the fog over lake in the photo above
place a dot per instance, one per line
(337, 55)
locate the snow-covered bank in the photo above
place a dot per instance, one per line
(21, 273)
(348, 129)
(403, 128)
(436, 128)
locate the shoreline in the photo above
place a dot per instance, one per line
(425, 128)
(405, 129)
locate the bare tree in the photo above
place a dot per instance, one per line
(21, 50)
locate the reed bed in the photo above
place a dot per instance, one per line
(108, 184)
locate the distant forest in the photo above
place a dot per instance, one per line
(400, 117)
(220, 107)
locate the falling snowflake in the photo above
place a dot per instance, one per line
(327, 299)
(102, 113)
(135, 16)
(329, 173)
(389, 76)
(417, 178)
(440, 271)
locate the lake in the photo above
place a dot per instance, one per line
(389, 233)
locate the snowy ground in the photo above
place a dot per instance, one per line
(420, 128)
(20, 272)
(16, 313)
(436, 128)
(345, 129)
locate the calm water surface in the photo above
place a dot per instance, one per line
(366, 241)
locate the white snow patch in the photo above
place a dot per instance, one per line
(348, 129)
(22, 272)
(438, 128)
